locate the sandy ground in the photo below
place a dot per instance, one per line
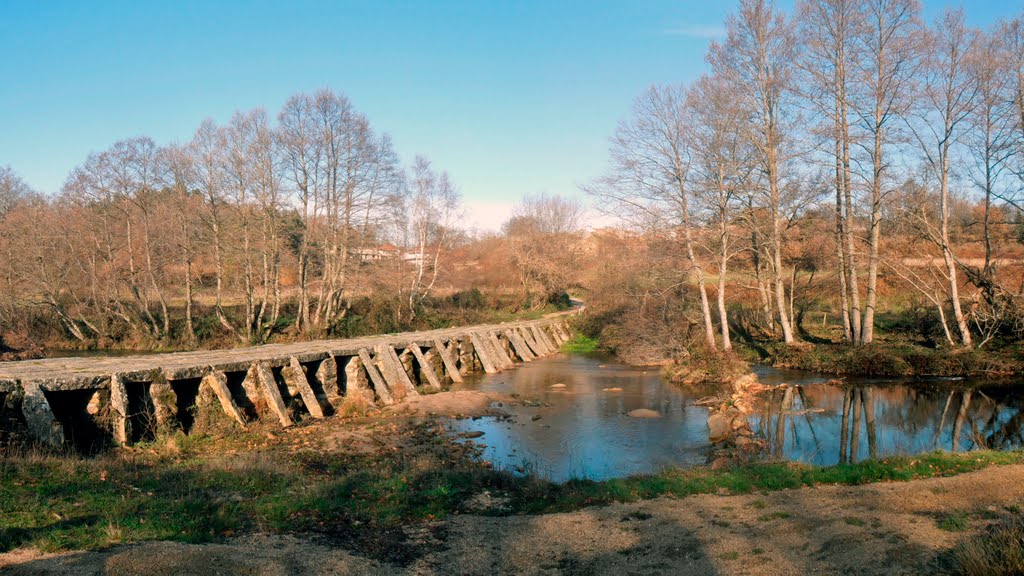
(455, 404)
(889, 528)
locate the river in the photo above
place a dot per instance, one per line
(581, 430)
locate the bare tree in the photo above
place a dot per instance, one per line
(303, 152)
(830, 28)
(649, 182)
(12, 189)
(890, 46)
(756, 61)
(948, 99)
(355, 163)
(177, 173)
(543, 238)
(991, 139)
(721, 162)
(208, 150)
(432, 205)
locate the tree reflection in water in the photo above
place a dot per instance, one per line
(825, 424)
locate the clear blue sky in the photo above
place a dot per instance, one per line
(510, 97)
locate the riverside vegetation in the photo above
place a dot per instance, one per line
(310, 481)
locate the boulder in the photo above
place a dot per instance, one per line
(722, 462)
(643, 413)
(719, 427)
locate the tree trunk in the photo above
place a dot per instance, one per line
(875, 232)
(947, 254)
(723, 265)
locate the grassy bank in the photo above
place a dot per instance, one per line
(582, 344)
(886, 358)
(201, 490)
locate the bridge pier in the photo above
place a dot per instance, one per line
(357, 379)
(450, 366)
(84, 400)
(380, 386)
(295, 375)
(503, 359)
(326, 376)
(520, 346)
(484, 354)
(217, 383)
(39, 418)
(426, 369)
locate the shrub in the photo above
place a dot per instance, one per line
(874, 360)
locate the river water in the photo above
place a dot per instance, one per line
(581, 430)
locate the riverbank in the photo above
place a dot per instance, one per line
(897, 528)
(393, 492)
(887, 359)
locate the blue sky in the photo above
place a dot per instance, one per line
(511, 98)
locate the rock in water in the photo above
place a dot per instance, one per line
(614, 389)
(559, 385)
(643, 413)
(719, 428)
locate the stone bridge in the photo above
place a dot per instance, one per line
(81, 402)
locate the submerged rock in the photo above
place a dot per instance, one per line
(643, 413)
(559, 385)
(613, 389)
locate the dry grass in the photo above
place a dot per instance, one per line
(998, 550)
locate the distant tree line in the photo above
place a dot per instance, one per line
(247, 219)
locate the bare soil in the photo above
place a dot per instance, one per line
(455, 404)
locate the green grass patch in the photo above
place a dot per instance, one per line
(773, 516)
(956, 522)
(581, 343)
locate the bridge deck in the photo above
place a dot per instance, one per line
(131, 397)
(88, 372)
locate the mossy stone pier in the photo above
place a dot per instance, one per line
(83, 401)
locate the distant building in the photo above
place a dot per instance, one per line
(376, 253)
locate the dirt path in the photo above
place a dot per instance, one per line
(889, 528)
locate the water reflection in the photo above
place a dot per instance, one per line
(581, 430)
(815, 422)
